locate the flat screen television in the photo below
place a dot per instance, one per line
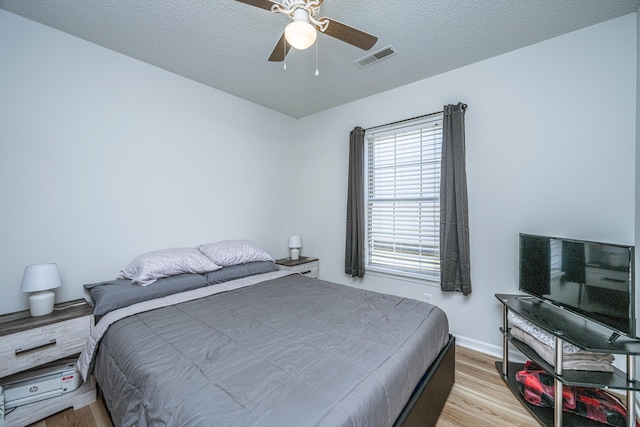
(592, 279)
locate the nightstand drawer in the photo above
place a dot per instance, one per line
(37, 346)
(305, 266)
(309, 269)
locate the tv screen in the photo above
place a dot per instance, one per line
(592, 279)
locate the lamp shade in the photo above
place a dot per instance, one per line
(40, 277)
(295, 242)
(300, 34)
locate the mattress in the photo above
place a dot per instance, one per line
(278, 350)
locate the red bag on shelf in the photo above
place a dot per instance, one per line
(537, 387)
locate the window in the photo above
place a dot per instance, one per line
(403, 197)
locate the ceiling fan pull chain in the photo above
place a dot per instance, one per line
(284, 45)
(317, 72)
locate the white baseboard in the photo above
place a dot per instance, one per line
(490, 349)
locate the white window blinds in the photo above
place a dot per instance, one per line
(403, 197)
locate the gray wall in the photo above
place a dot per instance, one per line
(637, 190)
(103, 157)
(550, 150)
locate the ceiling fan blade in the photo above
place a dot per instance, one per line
(349, 34)
(263, 4)
(280, 51)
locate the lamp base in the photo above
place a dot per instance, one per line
(41, 303)
(295, 254)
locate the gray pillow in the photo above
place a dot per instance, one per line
(232, 252)
(238, 271)
(151, 266)
(118, 293)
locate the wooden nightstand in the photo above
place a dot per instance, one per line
(304, 265)
(28, 342)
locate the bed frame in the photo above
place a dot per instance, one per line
(431, 393)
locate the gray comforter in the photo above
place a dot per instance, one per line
(293, 351)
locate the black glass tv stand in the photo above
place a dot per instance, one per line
(576, 330)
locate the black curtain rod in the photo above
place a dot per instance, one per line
(464, 107)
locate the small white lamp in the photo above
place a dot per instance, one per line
(295, 243)
(38, 279)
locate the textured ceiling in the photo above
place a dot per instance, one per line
(225, 44)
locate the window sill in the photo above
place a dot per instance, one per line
(404, 276)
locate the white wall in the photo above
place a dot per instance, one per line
(637, 192)
(637, 230)
(103, 157)
(550, 149)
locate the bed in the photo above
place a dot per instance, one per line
(250, 345)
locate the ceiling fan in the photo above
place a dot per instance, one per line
(301, 33)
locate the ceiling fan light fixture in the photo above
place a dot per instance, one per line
(300, 34)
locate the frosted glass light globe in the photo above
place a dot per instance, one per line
(300, 34)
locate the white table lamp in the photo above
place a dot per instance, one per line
(39, 279)
(295, 243)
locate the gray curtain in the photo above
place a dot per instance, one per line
(354, 251)
(455, 266)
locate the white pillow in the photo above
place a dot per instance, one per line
(232, 252)
(148, 267)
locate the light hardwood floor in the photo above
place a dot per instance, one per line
(479, 398)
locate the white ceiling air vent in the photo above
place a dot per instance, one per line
(376, 56)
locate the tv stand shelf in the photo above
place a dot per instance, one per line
(572, 328)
